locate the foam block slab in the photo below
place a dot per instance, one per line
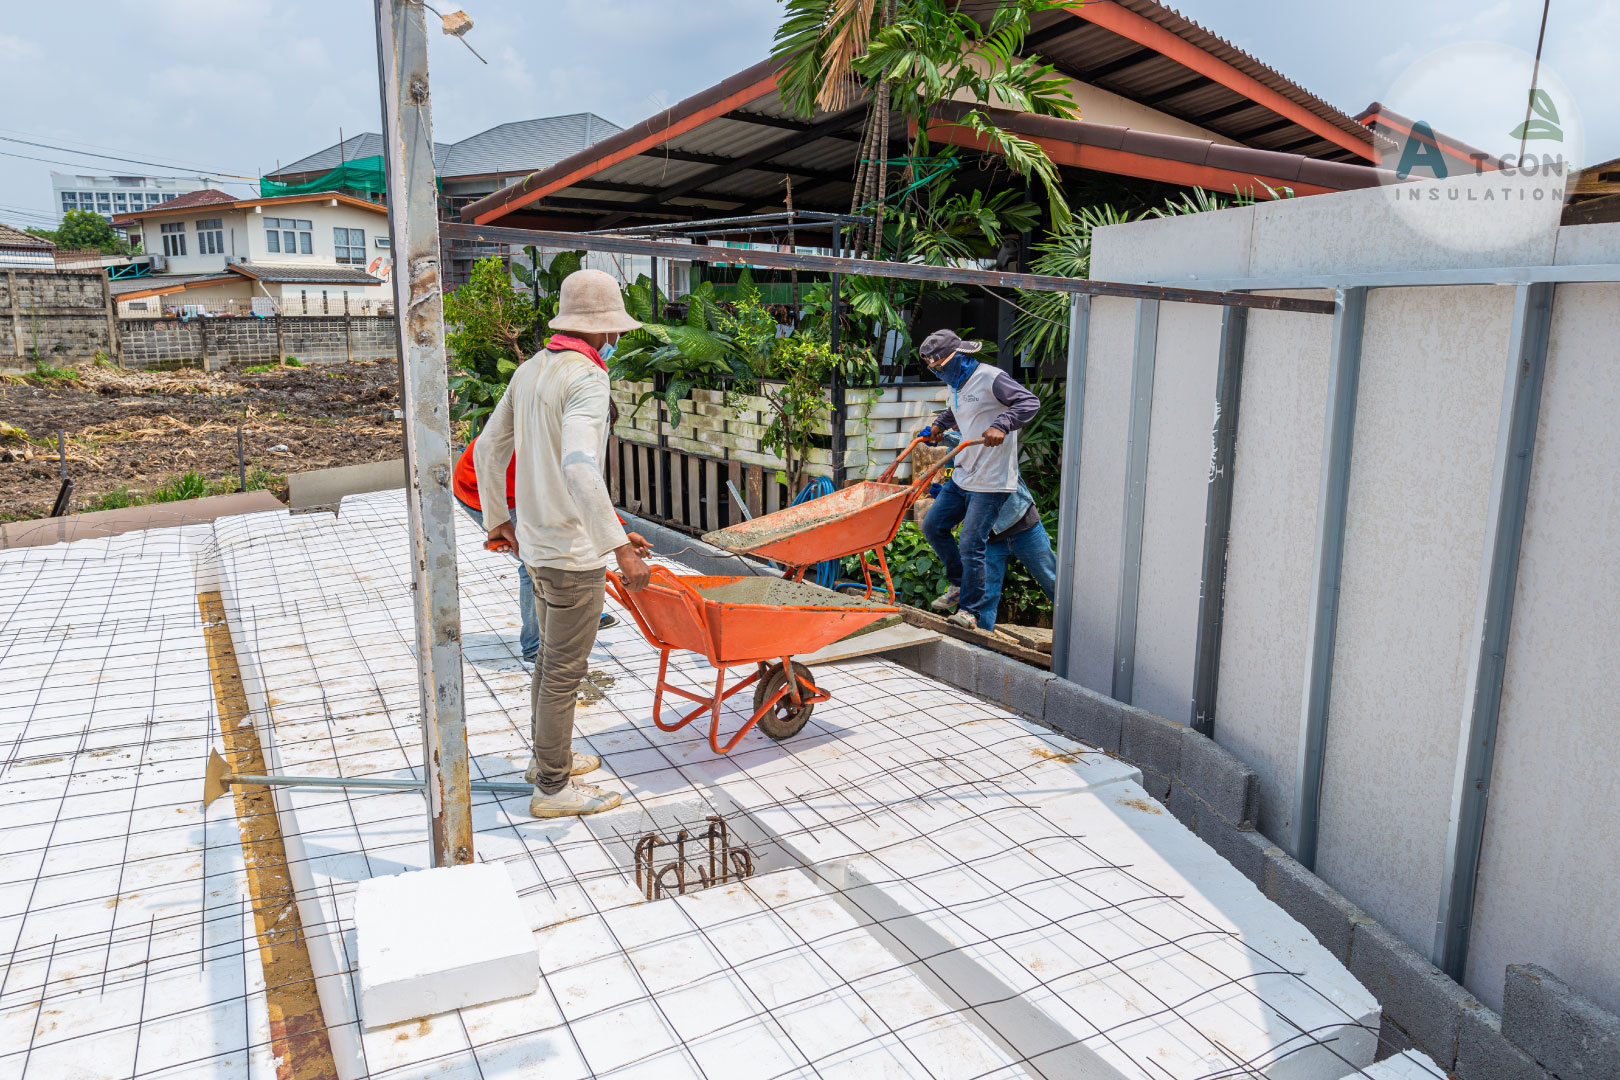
(440, 939)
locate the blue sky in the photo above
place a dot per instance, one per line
(235, 85)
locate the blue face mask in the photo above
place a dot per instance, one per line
(955, 371)
(606, 351)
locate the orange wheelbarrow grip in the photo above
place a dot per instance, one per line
(919, 484)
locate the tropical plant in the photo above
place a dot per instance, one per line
(1040, 444)
(918, 574)
(911, 56)
(688, 353)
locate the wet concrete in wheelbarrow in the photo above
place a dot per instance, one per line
(779, 592)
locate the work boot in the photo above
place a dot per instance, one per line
(583, 763)
(573, 799)
(947, 602)
(964, 619)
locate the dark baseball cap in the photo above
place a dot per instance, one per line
(944, 342)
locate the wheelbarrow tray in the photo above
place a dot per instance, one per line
(847, 522)
(743, 619)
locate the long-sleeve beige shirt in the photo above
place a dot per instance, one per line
(554, 416)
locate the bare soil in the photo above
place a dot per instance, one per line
(138, 429)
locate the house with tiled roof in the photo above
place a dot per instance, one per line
(18, 248)
(324, 253)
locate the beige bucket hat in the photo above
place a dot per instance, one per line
(590, 303)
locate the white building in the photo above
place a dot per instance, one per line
(320, 254)
(114, 196)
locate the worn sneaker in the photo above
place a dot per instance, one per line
(947, 602)
(583, 763)
(608, 619)
(964, 619)
(573, 799)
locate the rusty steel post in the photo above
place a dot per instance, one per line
(413, 230)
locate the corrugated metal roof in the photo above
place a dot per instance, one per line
(524, 145)
(519, 146)
(306, 275)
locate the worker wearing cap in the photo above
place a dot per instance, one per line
(554, 417)
(988, 404)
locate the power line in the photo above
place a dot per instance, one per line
(180, 163)
(112, 157)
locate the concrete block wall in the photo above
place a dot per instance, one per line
(60, 313)
(247, 340)
(1546, 1031)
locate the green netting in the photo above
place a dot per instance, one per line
(361, 174)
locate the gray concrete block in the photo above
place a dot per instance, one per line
(1563, 1029)
(1220, 778)
(1026, 690)
(1151, 741)
(1091, 717)
(957, 664)
(1315, 904)
(991, 674)
(1184, 806)
(1392, 1041)
(1243, 848)
(1417, 995)
(1484, 1053)
(1157, 784)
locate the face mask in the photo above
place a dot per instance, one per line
(606, 351)
(954, 372)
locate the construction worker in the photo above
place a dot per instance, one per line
(988, 404)
(1017, 533)
(554, 417)
(464, 485)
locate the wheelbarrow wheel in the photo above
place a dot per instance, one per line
(785, 719)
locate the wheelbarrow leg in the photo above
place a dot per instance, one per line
(888, 581)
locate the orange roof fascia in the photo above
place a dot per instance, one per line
(164, 290)
(1128, 163)
(1146, 32)
(679, 127)
(243, 204)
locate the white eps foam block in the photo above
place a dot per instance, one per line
(1412, 1065)
(439, 939)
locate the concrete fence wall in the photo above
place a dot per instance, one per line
(1403, 665)
(65, 316)
(215, 341)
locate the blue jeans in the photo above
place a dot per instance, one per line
(529, 639)
(1034, 549)
(965, 565)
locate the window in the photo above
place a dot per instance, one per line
(120, 201)
(349, 245)
(137, 305)
(381, 241)
(174, 238)
(70, 201)
(293, 237)
(210, 236)
(103, 200)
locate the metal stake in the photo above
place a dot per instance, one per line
(1333, 496)
(1493, 614)
(1136, 464)
(839, 437)
(241, 462)
(413, 230)
(61, 454)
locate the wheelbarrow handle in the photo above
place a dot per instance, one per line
(888, 474)
(921, 482)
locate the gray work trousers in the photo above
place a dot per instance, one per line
(569, 605)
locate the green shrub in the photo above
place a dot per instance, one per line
(116, 499)
(46, 372)
(293, 361)
(258, 369)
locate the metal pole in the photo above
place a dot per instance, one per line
(1136, 463)
(1074, 414)
(1218, 519)
(1333, 493)
(241, 462)
(1493, 613)
(413, 230)
(61, 454)
(840, 440)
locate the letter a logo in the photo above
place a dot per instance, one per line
(1421, 150)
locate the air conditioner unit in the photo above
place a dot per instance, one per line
(160, 263)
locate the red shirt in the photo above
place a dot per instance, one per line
(464, 482)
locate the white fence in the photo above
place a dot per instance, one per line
(1375, 643)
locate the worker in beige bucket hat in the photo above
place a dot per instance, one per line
(555, 418)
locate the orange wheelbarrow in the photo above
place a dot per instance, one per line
(734, 621)
(860, 518)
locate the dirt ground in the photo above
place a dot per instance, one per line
(138, 429)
